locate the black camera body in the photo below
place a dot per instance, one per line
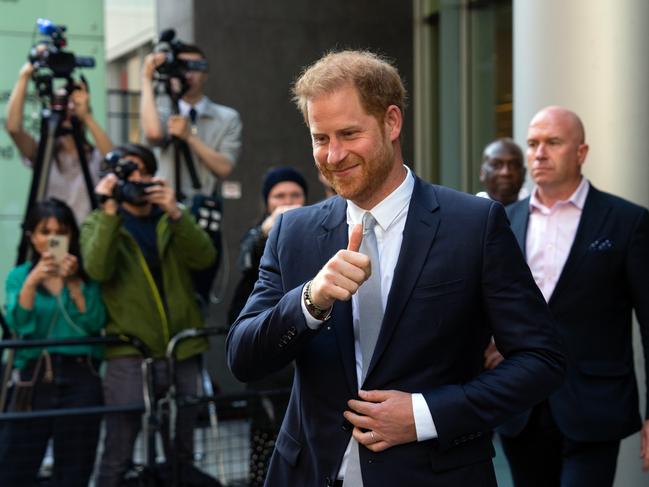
(173, 66)
(133, 192)
(49, 53)
(50, 61)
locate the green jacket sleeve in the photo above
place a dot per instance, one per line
(99, 234)
(21, 321)
(190, 242)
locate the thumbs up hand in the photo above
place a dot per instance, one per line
(343, 274)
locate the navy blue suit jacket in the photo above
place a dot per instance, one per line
(460, 277)
(606, 277)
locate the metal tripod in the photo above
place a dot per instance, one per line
(51, 119)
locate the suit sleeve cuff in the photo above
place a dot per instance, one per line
(424, 424)
(311, 322)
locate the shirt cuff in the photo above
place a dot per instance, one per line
(424, 424)
(311, 322)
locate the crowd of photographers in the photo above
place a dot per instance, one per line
(138, 241)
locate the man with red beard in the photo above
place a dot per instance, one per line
(387, 320)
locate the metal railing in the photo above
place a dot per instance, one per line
(227, 417)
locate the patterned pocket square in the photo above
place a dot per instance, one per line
(601, 245)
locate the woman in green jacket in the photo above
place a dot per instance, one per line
(51, 297)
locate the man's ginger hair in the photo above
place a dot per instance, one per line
(375, 78)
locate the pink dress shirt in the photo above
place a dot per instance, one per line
(550, 234)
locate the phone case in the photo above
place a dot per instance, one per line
(58, 246)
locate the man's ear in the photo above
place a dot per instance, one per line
(393, 122)
(582, 152)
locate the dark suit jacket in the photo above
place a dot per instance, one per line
(605, 277)
(459, 278)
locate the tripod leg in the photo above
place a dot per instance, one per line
(49, 124)
(180, 196)
(83, 161)
(181, 149)
(189, 162)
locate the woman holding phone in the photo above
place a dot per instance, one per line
(50, 297)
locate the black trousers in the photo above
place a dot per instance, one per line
(23, 443)
(541, 456)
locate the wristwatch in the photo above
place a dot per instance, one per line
(317, 312)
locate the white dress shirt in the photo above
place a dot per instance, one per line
(550, 235)
(390, 215)
(184, 107)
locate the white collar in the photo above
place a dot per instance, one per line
(389, 208)
(185, 107)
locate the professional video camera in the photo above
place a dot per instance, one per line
(51, 61)
(125, 191)
(49, 53)
(173, 66)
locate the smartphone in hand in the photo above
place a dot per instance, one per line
(58, 246)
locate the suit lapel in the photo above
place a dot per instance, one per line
(418, 235)
(592, 219)
(334, 237)
(518, 222)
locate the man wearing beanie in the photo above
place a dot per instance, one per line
(283, 188)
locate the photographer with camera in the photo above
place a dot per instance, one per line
(141, 247)
(66, 180)
(211, 132)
